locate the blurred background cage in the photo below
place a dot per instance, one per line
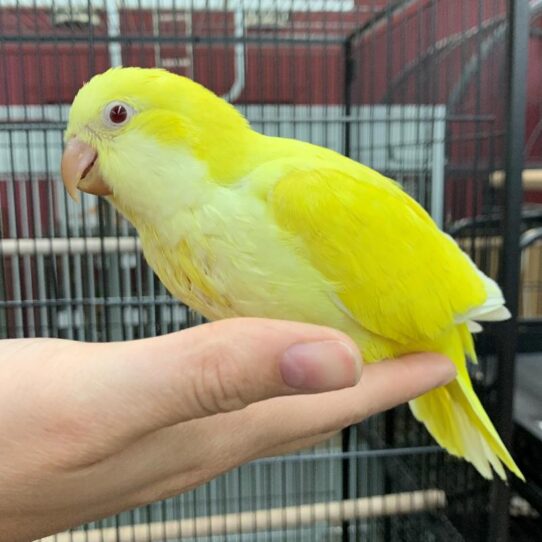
(430, 92)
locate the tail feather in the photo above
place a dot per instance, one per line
(493, 308)
(457, 420)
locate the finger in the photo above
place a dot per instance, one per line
(129, 389)
(283, 424)
(382, 386)
(397, 381)
(229, 364)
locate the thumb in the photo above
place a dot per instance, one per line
(221, 367)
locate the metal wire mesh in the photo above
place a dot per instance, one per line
(412, 88)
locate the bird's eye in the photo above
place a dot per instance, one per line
(117, 113)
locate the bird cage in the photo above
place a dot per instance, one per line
(416, 89)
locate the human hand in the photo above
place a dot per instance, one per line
(90, 429)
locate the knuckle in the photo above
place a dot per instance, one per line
(219, 384)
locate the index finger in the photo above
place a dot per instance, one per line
(382, 386)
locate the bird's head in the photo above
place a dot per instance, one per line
(137, 135)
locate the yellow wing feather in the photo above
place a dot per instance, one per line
(397, 274)
(404, 280)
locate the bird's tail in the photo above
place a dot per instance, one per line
(457, 420)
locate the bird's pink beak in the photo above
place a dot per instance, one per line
(81, 171)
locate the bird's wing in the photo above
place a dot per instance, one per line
(396, 273)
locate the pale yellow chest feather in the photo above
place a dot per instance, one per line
(230, 260)
(218, 248)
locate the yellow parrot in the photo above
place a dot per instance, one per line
(236, 223)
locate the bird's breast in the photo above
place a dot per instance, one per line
(231, 259)
(186, 271)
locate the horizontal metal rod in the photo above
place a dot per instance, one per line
(41, 125)
(360, 454)
(470, 118)
(333, 512)
(476, 167)
(416, 117)
(91, 302)
(68, 246)
(194, 40)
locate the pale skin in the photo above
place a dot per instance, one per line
(88, 430)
